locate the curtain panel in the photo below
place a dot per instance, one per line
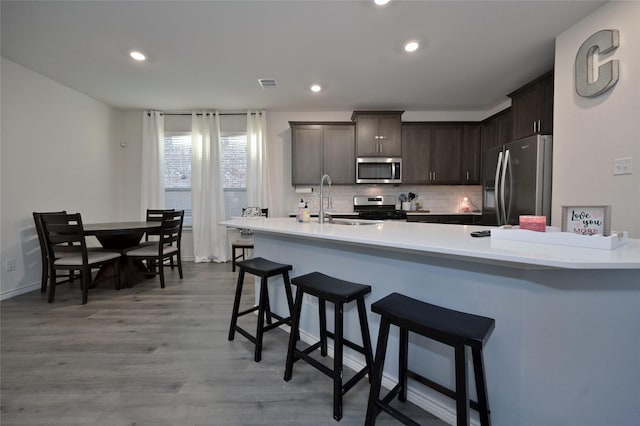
(209, 238)
(258, 177)
(152, 191)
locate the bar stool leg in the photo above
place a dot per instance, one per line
(481, 387)
(403, 362)
(295, 324)
(263, 300)
(322, 313)
(378, 366)
(366, 337)
(236, 305)
(337, 361)
(462, 396)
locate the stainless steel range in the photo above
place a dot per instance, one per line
(377, 207)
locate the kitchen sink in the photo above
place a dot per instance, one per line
(354, 222)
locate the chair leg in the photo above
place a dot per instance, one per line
(403, 361)
(52, 285)
(366, 337)
(322, 313)
(85, 285)
(236, 305)
(179, 262)
(481, 387)
(462, 395)
(262, 304)
(161, 272)
(45, 277)
(116, 268)
(376, 379)
(337, 361)
(295, 323)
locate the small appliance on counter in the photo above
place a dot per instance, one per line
(377, 207)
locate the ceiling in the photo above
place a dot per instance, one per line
(210, 54)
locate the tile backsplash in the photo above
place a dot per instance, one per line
(436, 198)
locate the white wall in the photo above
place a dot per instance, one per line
(589, 133)
(59, 151)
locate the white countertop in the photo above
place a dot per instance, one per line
(451, 241)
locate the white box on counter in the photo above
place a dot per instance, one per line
(554, 236)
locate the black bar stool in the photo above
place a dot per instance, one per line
(264, 269)
(453, 328)
(338, 292)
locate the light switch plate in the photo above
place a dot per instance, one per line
(622, 166)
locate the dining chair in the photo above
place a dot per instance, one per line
(168, 245)
(155, 215)
(37, 218)
(67, 250)
(245, 242)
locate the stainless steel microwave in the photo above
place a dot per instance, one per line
(378, 170)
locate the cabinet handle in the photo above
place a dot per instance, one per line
(434, 176)
(534, 127)
(539, 126)
(467, 176)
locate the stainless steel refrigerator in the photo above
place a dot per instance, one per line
(517, 180)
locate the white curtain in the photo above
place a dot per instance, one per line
(152, 161)
(258, 184)
(209, 238)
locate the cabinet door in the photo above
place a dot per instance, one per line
(416, 153)
(526, 106)
(306, 154)
(367, 135)
(445, 154)
(471, 154)
(340, 153)
(389, 132)
(546, 124)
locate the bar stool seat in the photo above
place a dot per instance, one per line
(453, 328)
(264, 269)
(338, 292)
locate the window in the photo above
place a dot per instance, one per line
(177, 172)
(234, 172)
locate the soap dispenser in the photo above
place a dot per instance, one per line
(301, 205)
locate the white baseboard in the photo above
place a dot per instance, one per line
(20, 290)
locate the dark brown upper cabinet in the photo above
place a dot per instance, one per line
(319, 148)
(378, 133)
(432, 153)
(532, 107)
(470, 154)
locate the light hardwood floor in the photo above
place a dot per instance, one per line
(152, 356)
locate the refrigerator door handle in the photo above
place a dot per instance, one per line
(507, 203)
(502, 183)
(495, 191)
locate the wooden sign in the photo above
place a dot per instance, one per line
(587, 220)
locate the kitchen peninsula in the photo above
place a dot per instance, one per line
(565, 350)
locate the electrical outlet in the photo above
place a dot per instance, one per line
(622, 166)
(11, 265)
(308, 299)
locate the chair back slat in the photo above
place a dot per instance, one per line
(37, 219)
(64, 233)
(171, 229)
(155, 215)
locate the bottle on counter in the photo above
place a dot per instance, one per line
(306, 214)
(301, 206)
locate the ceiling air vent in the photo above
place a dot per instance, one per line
(267, 83)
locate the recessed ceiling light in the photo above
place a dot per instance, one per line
(138, 56)
(381, 2)
(411, 46)
(316, 88)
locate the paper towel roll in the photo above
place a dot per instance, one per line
(304, 189)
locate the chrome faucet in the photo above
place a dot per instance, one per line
(329, 201)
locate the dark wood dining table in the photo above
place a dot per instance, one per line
(120, 236)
